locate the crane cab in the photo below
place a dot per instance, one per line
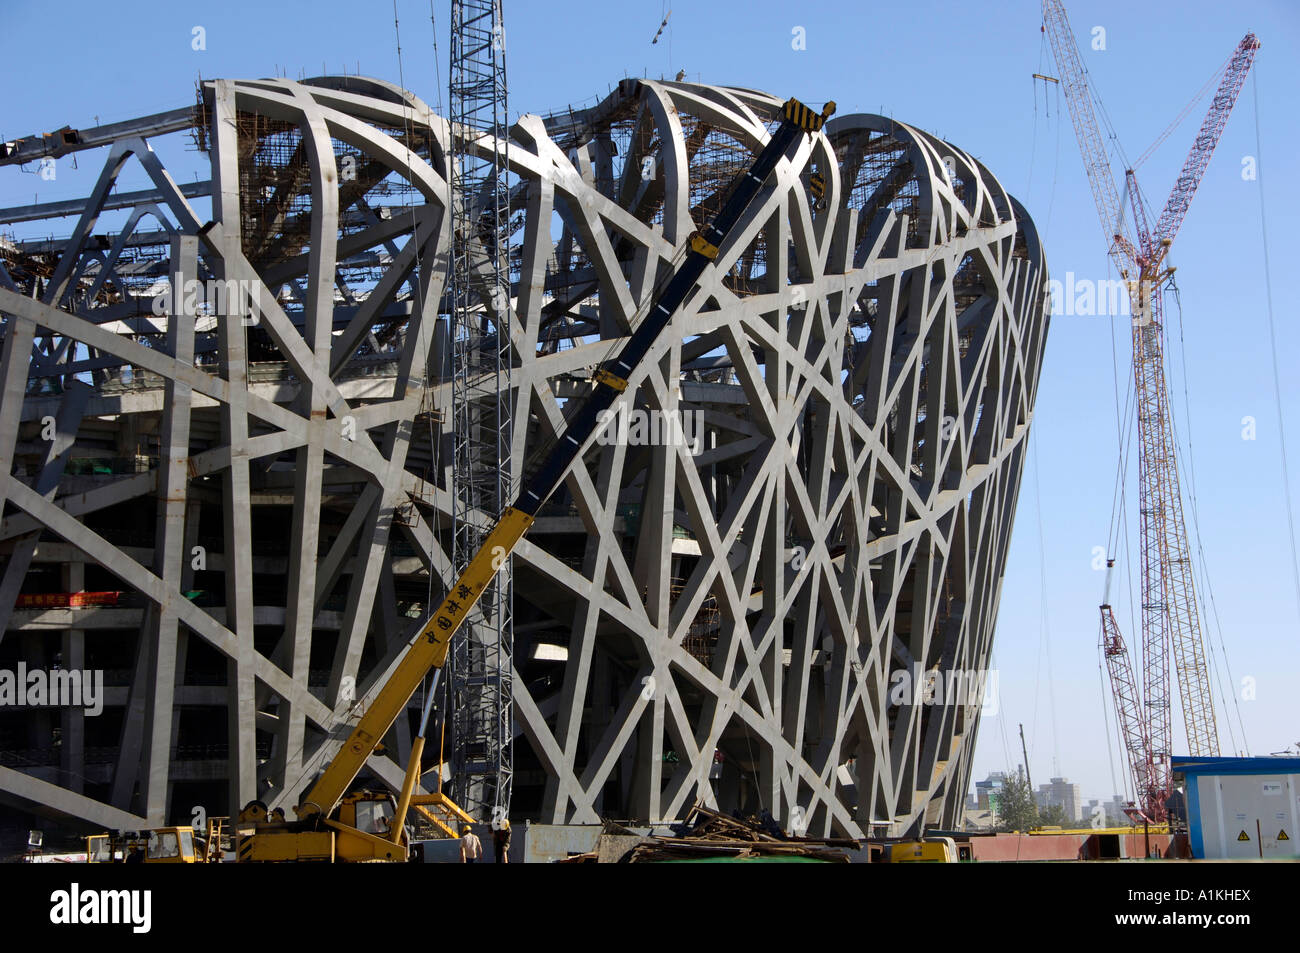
(928, 850)
(360, 830)
(163, 845)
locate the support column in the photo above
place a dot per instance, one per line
(72, 725)
(241, 710)
(169, 536)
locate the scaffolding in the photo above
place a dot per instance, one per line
(481, 661)
(717, 158)
(701, 638)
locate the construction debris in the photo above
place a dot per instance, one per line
(708, 835)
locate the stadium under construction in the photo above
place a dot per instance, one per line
(246, 429)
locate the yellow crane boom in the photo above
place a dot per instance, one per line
(429, 650)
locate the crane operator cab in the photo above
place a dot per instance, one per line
(375, 816)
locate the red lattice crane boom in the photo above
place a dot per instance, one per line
(1128, 703)
(1170, 618)
(1207, 137)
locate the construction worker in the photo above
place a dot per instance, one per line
(471, 849)
(501, 841)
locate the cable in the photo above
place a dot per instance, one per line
(1033, 142)
(1105, 116)
(1125, 424)
(418, 280)
(434, 455)
(1033, 139)
(758, 781)
(1002, 724)
(1056, 161)
(437, 67)
(1178, 120)
(1117, 530)
(1207, 588)
(1105, 719)
(1045, 635)
(1272, 343)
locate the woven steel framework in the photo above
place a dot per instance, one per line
(716, 613)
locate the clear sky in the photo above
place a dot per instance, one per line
(963, 71)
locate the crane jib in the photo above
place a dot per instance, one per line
(429, 650)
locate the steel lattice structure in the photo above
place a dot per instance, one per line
(718, 618)
(481, 658)
(1171, 622)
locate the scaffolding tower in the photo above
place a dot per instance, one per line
(481, 660)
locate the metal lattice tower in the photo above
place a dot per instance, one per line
(1171, 622)
(481, 659)
(1170, 618)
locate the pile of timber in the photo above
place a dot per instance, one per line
(706, 833)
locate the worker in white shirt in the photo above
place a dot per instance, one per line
(471, 849)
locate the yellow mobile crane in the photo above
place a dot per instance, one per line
(330, 822)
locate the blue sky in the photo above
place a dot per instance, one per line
(962, 71)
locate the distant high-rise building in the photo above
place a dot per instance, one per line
(1112, 809)
(1060, 792)
(988, 791)
(1115, 809)
(1088, 813)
